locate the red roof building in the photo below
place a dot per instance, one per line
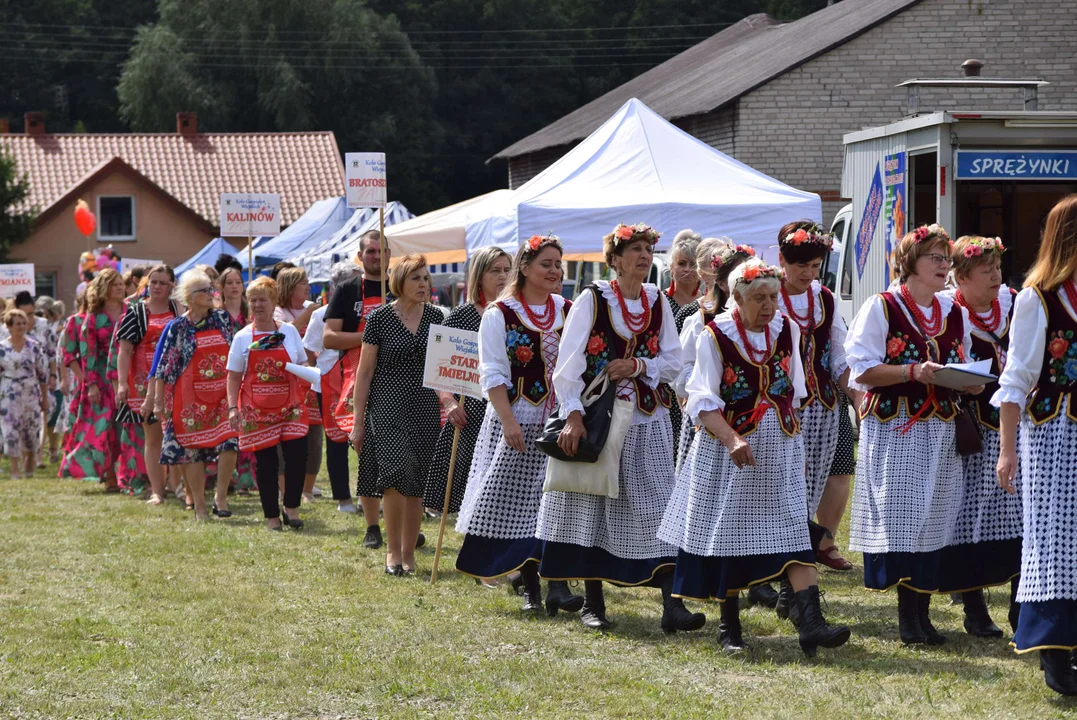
(156, 196)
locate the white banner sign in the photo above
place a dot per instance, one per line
(250, 214)
(16, 278)
(128, 263)
(365, 173)
(452, 361)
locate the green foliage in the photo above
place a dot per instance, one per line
(16, 221)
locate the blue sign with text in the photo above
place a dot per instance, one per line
(873, 207)
(1016, 165)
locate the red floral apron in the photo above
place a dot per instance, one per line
(331, 384)
(271, 407)
(200, 398)
(344, 412)
(314, 413)
(142, 360)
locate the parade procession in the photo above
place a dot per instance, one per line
(704, 405)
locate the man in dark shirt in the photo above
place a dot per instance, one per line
(345, 317)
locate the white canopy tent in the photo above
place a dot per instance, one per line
(637, 167)
(344, 243)
(439, 234)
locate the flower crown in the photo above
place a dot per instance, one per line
(754, 270)
(537, 242)
(728, 252)
(927, 231)
(813, 235)
(628, 233)
(977, 246)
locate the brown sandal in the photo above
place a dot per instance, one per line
(833, 559)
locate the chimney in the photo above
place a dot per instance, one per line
(34, 123)
(187, 123)
(5, 126)
(972, 67)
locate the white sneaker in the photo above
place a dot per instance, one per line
(348, 508)
(316, 491)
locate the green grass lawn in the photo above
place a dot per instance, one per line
(113, 609)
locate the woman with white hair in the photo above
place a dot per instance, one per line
(190, 393)
(684, 281)
(744, 391)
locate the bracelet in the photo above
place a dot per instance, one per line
(233, 407)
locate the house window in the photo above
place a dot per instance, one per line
(45, 284)
(116, 217)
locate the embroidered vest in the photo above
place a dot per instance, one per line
(815, 354)
(1058, 374)
(906, 346)
(530, 376)
(607, 344)
(749, 390)
(982, 349)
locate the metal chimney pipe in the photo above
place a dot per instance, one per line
(972, 67)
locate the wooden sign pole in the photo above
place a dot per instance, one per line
(445, 509)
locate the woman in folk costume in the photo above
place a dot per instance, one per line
(232, 298)
(266, 403)
(190, 393)
(684, 287)
(519, 337)
(1036, 394)
(95, 443)
(136, 343)
(802, 247)
(704, 256)
(909, 485)
(624, 328)
(746, 386)
(985, 550)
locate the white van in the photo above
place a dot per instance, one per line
(838, 274)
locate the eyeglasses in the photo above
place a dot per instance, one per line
(207, 290)
(939, 259)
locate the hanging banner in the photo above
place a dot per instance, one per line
(250, 214)
(452, 361)
(868, 221)
(365, 176)
(896, 203)
(16, 278)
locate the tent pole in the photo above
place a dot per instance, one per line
(384, 261)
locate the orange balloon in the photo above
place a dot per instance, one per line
(85, 220)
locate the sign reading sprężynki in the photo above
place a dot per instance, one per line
(250, 214)
(452, 361)
(365, 178)
(1016, 165)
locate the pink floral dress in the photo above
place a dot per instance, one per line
(95, 442)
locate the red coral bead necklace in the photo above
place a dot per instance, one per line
(756, 356)
(636, 322)
(931, 327)
(545, 322)
(991, 323)
(806, 323)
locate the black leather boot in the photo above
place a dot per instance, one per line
(763, 594)
(559, 597)
(1057, 671)
(977, 620)
(815, 631)
(593, 614)
(532, 587)
(909, 618)
(787, 608)
(675, 616)
(729, 630)
(923, 612)
(1015, 607)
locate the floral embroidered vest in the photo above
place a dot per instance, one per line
(607, 344)
(816, 358)
(749, 390)
(905, 345)
(1058, 375)
(986, 413)
(530, 376)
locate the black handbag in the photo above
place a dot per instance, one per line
(967, 436)
(598, 401)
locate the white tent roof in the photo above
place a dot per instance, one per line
(637, 167)
(344, 242)
(439, 234)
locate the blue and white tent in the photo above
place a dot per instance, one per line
(344, 243)
(208, 255)
(319, 223)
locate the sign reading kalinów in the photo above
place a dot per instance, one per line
(15, 278)
(250, 214)
(452, 361)
(365, 178)
(1016, 165)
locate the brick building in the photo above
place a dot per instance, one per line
(779, 97)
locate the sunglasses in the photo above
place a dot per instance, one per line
(207, 290)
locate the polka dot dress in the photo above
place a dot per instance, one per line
(844, 462)
(403, 418)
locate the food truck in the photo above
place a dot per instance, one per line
(990, 172)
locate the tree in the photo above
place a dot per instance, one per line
(290, 65)
(16, 219)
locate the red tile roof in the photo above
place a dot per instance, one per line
(302, 167)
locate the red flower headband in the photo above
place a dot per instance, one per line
(933, 230)
(813, 236)
(537, 242)
(977, 246)
(628, 233)
(728, 252)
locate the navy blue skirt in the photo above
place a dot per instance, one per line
(915, 570)
(973, 566)
(1047, 625)
(700, 577)
(485, 557)
(565, 561)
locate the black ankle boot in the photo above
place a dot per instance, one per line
(764, 595)
(1057, 672)
(1015, 607)
(559, 597)
(593, 614)
(675, 616)
(532, 588)
(815, 631)
(729, 630)
(923, 612)
(977, 620)
(909, 618)
(787, 608)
